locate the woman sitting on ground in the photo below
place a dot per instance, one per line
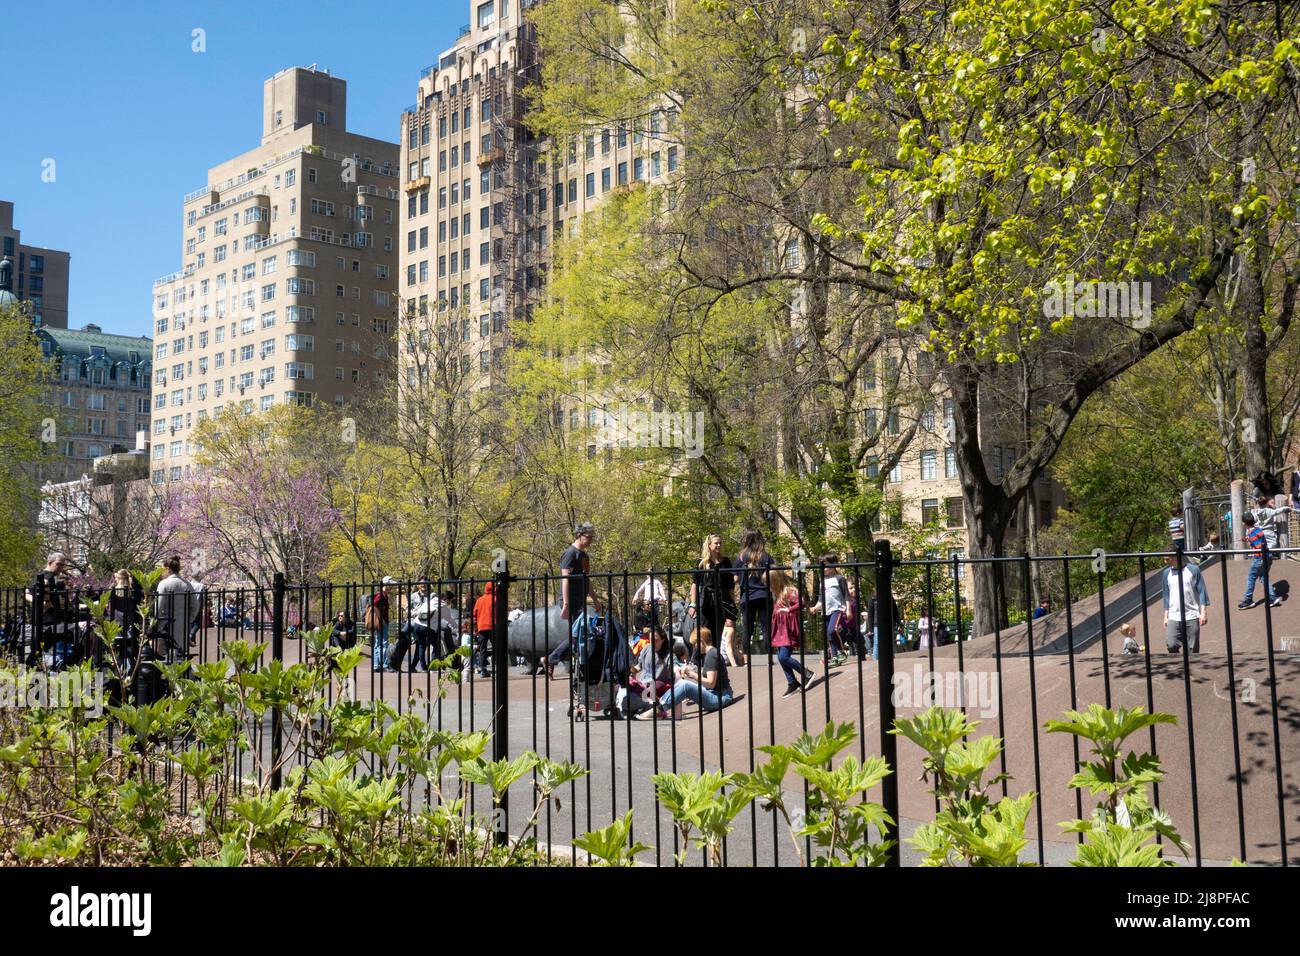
(344, 634)
(652, 674)
(706, 684)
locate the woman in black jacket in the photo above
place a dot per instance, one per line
(713, 589)
(755, 587)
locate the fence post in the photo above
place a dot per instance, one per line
(1191, 521)
(277, 654)
(888, 742)
(501, 681)
(1238, 498)
(37, 623)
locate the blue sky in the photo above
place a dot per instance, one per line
(133, 118)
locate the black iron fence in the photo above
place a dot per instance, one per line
(560, 664)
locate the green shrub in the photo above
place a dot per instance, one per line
(1124, 825)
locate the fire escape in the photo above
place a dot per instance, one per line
(514, 180)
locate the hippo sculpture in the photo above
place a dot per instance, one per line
(535, 632)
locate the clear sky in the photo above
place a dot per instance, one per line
(132, 117)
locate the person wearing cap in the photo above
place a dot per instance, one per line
(575, 566)
(377, 625)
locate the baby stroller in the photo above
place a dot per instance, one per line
(601, 660)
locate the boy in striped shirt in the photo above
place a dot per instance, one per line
(1177, 528)
(1255, 538)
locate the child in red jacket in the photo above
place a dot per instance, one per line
(785, 638)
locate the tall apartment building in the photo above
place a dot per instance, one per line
(286, 291)
(99, 396)
(40, 276)
(485, 199)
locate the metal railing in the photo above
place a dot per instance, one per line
(847, 656)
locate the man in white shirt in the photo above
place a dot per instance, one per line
(651, 589)
(174, 607)
(647, 600)
(1186, 599)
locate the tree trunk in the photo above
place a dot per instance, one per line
(1031, 523)
(989, 603)
(987, 506)
(1257, 430)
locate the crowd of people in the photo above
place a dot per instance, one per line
(732, 608)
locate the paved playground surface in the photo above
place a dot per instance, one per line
(1229, 809)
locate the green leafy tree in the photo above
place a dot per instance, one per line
(990, 167)
(22, 393)
(714, 292)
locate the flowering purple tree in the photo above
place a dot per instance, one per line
(256, 504)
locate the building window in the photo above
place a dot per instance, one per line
(950, 462)
(929, 510)
(956, 512)
(929, 465)
(960, 555)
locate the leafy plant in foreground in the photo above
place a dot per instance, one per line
(969, 828)
(1124, 825)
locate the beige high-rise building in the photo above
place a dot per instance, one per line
(287, 289)
(484, 200)
(40, 276)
